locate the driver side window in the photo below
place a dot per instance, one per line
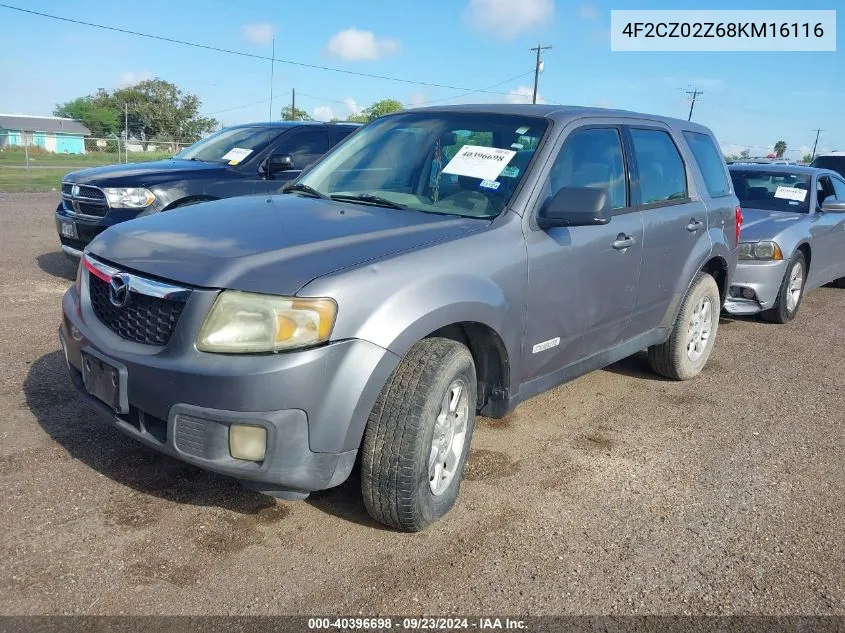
(824, 188)
(591, 158)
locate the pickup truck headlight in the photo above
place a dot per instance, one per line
(768, 251)
(129, 197)
(247, 322)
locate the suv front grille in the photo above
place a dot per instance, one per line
(144, 319)
(87, 200)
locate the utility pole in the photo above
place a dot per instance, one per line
(537, 67)
(293, 104)
(272, 70)
(125, 131)
(693, 93)
(819, 131)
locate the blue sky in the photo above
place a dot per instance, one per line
(750, 99)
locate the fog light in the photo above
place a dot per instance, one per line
(247, 442)
(748, 293)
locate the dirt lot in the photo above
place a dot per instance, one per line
(617, 493)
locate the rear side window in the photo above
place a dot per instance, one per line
(662, 174)
(710, 163)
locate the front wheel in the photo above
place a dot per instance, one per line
(791, 292)
(684, 355)
(418, 435)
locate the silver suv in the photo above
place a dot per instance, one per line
(439, 264)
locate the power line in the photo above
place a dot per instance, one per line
(693, 93)
(234, 52)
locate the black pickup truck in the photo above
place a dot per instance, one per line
(237, 161)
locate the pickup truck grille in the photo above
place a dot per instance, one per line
(144, 319)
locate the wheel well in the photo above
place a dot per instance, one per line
(718, 268)
(805, 250)
(489, 354)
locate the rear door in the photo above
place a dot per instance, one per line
(582, 280)
(675, 240)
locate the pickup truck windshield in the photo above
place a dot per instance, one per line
(230, 146)
(467, 164)
(772, 191)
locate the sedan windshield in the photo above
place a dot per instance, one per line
(772, 191)
(230, 146)
(467, 164)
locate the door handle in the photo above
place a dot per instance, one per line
(694, 225)
(622, 242)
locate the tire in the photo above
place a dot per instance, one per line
(790, 295)
(839, 283)
(675, 359)
(396, 481)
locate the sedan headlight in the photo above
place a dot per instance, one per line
(247, 322)
(129, 197)
(760, 250)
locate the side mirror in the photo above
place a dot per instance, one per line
(575, 206)
(832, 205)
(274, 164)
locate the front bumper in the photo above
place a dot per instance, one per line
(314, 403)
(763, 278)
(86, 228)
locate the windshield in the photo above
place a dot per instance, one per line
(455, 163)
(772, 191)
(835, 163)
(231, 146)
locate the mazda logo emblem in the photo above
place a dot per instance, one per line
(119, 290)
(74, 191)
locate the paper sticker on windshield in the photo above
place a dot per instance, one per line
(490, 184)
(521, 130)
(516, 145)
(791, 193)
(236, 155)
(510, 172)
(481, 162)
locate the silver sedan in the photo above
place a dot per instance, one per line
(792, 240)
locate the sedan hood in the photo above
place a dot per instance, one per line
(268, 244)
(141, 174)
(760, 224)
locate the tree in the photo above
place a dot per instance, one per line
(295, 115)
(780, 149)
(379, 108)
(103, 120)
(744, 153)
(808, 158)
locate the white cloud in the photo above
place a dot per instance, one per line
(355, 45)
(508, 18)
(588, 11)
(523, 94)
(416, 100)
(131, 77)
(260, 33)
(323, 113)
(603, 103)
(352, 106)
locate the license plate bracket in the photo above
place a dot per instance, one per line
(105, 380)
(69, 230)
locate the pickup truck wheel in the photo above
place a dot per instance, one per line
(684, 355)
(791, 292)
(418, 435)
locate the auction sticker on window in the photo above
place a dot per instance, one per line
(791, 193)
(481, 162)
(236, 155)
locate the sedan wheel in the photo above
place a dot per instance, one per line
(791, 291)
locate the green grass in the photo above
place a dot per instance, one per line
(48, 169)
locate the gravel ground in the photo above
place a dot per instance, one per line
(617, 493)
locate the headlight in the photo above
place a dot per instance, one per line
(129, 197)
(760, 250)
(247, 322)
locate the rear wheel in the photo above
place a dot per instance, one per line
(684, 355)
(418, 435)
(791, 292)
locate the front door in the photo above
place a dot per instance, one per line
(305, 147)
(828, 233)
(582, 281)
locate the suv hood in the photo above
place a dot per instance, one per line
(760, 224)
(265, 244)
(141, 174)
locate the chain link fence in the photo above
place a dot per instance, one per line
(30, 161)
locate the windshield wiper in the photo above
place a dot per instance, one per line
(299, 187)
(369, 198)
